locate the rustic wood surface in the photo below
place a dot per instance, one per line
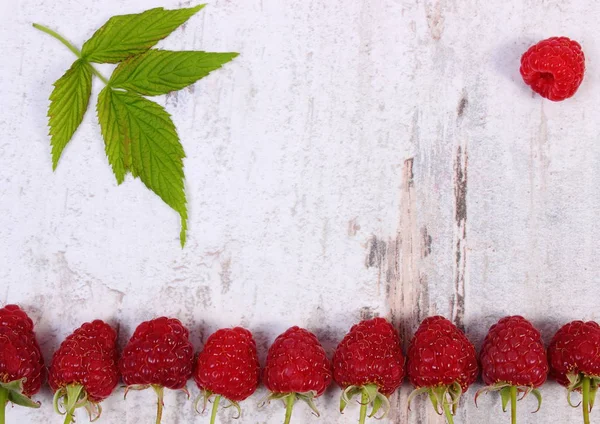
(360, 158)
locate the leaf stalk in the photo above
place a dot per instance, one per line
(71, 47)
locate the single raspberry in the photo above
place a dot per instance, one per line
(369, 361)
(297, 369)
(22, 369)
(554, 68)
(227, 367)
(158, 355)
(574, 356)
(513, 360)
(441, 362)
(83, 371)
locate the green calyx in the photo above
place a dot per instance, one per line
(13, 392)
(67, 399)
(206, 396)
(289, 399)
(510, 393)
(159, 390)
(588, 386)
(369, 395)
(444, 399)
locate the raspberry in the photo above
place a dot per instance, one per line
(513, 360)
(574, 357)
(297, 368)
(554, 68)
(22, 369)
(442, 363)
(227, 368)
(84, 370)
(369, 362)
(158, 355)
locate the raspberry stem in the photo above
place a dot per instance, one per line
(364, 401)
(447, 412)
(3, 402)
(160, 390)
(513, 404)
(585, 389)
(215, 407)
(75, 396)
(289, 405)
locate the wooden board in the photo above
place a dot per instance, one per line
(359, 158)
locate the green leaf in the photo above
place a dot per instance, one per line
(160, 71)
(68, 103)
(123, 36)
(140, 137)
(117, 144)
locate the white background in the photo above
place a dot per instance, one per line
(359, 158)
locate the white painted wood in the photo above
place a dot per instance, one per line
(358, 158)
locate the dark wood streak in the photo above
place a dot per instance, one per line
(427, 241)
(460, 216)
(462, 105)
(376, 257)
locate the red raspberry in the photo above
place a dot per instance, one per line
(84, 370)
(22, 369)
(228, 367)
(369, 361)
(574, 356)
(441, 362)
(513, 360)
(13, 317)
(297, 368)
(554, 68)
(158, 355)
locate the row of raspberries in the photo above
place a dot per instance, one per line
(367, 364)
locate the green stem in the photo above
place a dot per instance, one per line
(215, 407)
(75, 394)
(364, 400)
(71, 47)
(289, 406)
(159, 403)
(585, 388)
(448, 414)
(3, 402)
(513, 404)
(60, 38)
(68, 417)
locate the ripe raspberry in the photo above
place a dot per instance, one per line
(554, 68)
(84, 370)
(574, 356)
(227, 367)
(297, 368)
(158, 355)
(513, 360)
(441, 362)
(22, 369)
(369, 361)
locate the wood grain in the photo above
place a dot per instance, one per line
(359, 158)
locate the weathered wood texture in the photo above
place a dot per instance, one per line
(359, 158)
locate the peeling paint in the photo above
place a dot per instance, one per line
(353, 227)
(435, 19)
(225, 275)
